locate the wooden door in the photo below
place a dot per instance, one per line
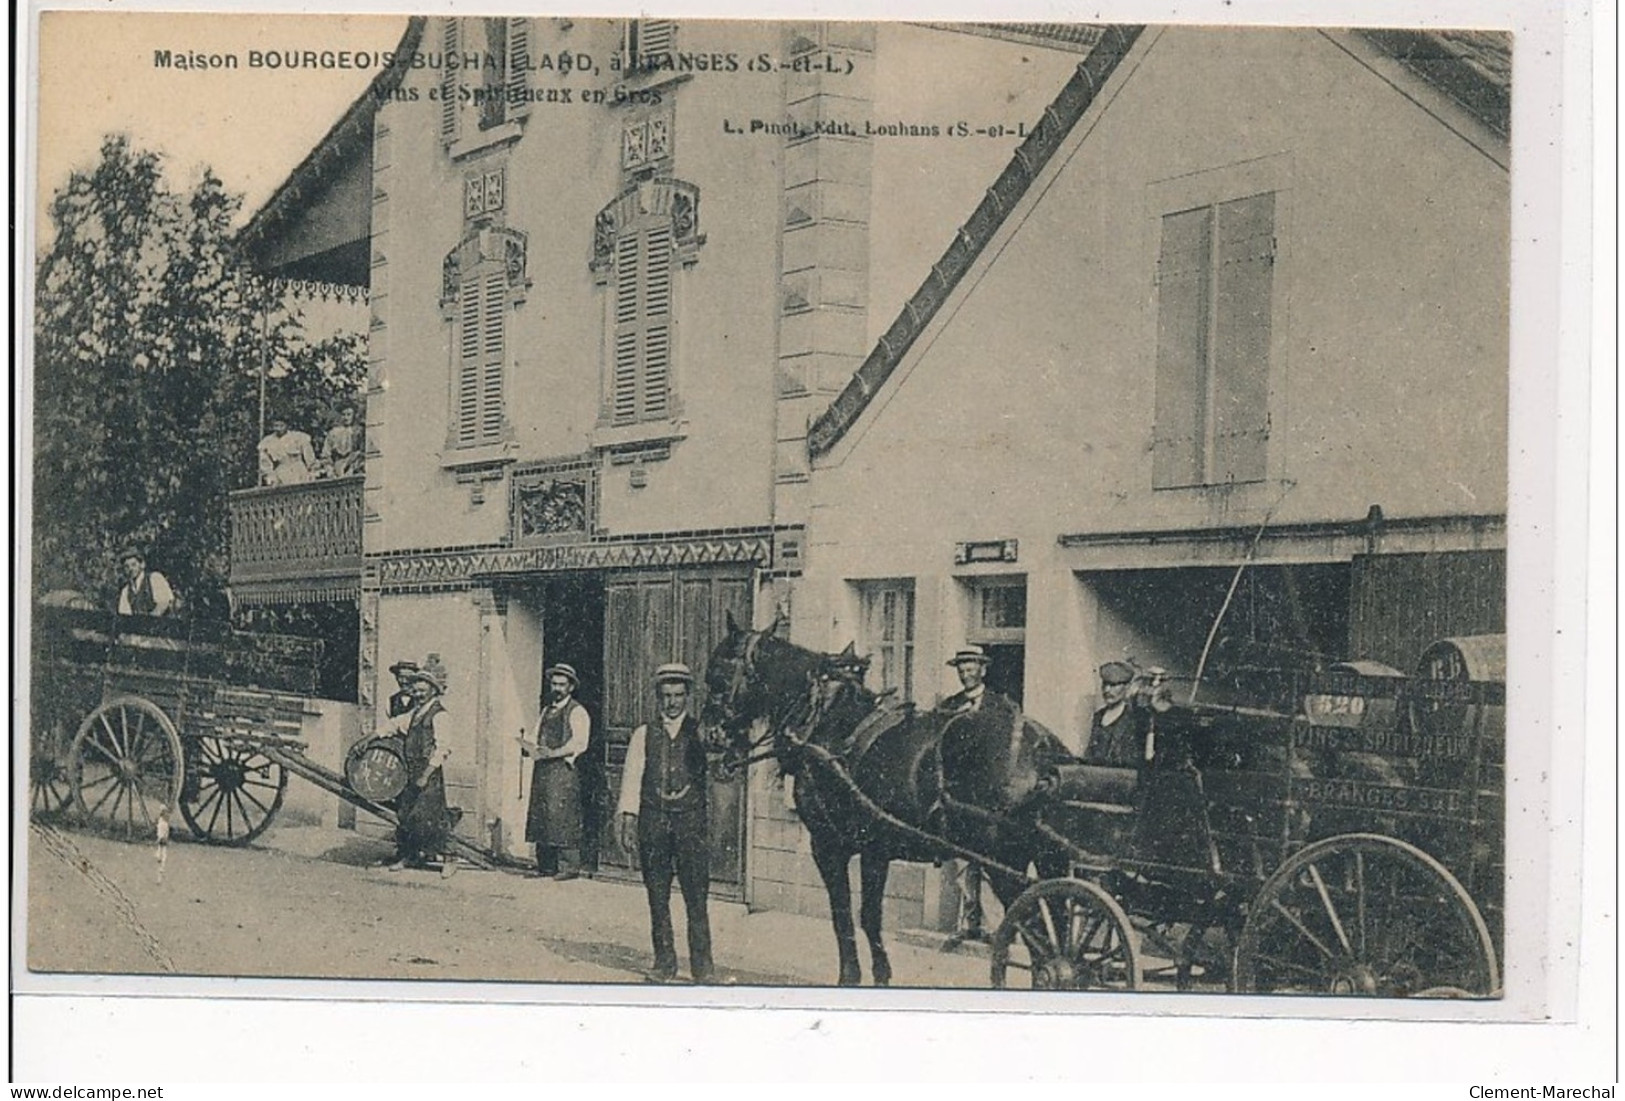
(650, 618)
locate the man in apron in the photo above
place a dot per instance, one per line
(563, 732)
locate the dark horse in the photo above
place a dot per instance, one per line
(881, 781)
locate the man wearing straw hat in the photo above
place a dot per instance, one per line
(664, 814)
(563, 731)
(423, 824)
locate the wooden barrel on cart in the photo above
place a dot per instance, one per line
(1460, 687)
(375, 768)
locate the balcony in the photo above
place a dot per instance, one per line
(298, 543)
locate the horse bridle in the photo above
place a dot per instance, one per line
(743, 667)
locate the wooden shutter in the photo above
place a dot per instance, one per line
(468, 362)
(493, 349)
(482, 306)
(1241, 338)
(656, 374)
(641, 382)
(450, 44)
(517, 69)
(1182, 349)
(624, 383)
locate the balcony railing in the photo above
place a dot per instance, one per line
(297, 542)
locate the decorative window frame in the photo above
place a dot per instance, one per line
(634, 208)
(476, 256)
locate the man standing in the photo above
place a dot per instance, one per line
(144, 592)
(971, 663)
(286, 458)
(423, 824)
(663, 811)
(563, 731)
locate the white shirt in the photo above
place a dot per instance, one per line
(400, 724)
(636, 756)
(163, 597)
(580, 728)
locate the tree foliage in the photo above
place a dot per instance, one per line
(149, 341)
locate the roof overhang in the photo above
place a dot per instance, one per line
(317, 225)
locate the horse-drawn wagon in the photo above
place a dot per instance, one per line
(1332, 831)
(134, 717)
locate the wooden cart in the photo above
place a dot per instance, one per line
(1342, 832)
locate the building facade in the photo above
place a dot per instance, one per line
(615, 269)
(1245, 305)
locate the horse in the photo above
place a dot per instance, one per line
(877, 779)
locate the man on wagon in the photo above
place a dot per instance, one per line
(145, 591)
(1118, 730)
(563, 731)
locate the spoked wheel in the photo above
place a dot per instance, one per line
(232, 791)
(49, 789)
(124, 766)
(1066, 934)
(1366, 915)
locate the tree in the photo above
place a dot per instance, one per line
(148, 344)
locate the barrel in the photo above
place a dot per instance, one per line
(1475, 669)
(376, 768)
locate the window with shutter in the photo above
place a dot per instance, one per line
(1215, 282)
(482, 309)
(517, 67)
(451, 47)
(648, 41)
(643, 324)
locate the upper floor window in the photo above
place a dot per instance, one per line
(640, 243)
(484, 278)
(485, 75)
(1215, 275)
(648, 43)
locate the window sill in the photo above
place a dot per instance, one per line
(627, 437)
(465, 460)
(481, 140)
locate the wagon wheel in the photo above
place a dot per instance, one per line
(125, 764)
(1066, 934)
(232, 790)
(49, 790)
(1370, 915)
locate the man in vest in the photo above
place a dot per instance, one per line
(663, 812)
(563, 731)
(144, 592)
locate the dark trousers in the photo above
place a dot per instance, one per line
(550, 859)
(677, 844)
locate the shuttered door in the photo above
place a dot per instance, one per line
(652, 617)
(481, 347)
(1401, 603)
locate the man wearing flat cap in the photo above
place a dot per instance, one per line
(563, 731)
(145, 592)
(1117, 734)
(664, 813)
